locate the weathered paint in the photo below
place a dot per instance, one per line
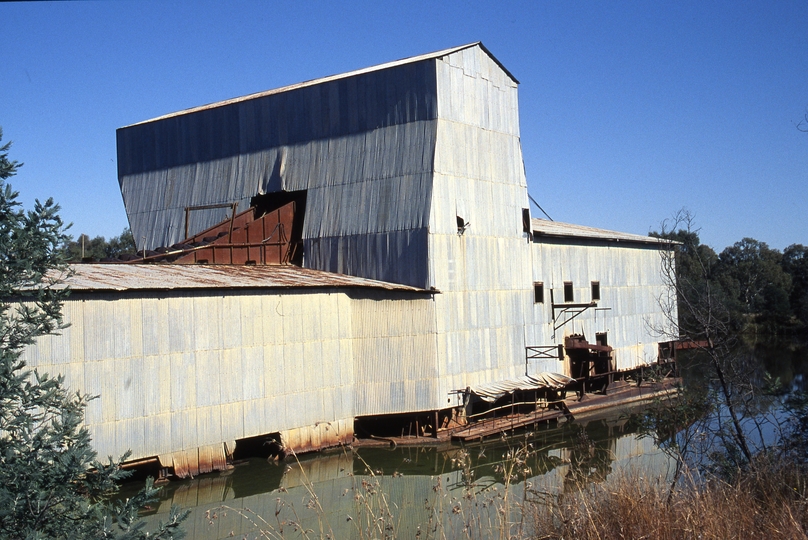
(631, 287)
(415, 196)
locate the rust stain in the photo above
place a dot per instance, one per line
(122, 277)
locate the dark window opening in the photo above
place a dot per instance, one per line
(568, 296)
(538, 292)
(269, 202)
(462, 225)
(596, 290)
(601, 338)
(526, 220)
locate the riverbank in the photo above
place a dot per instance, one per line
(768, 502)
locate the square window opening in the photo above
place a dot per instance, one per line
(568, 296)
(538, 292)
(601, 338)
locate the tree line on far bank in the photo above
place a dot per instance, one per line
(763, 289)
(99, 248)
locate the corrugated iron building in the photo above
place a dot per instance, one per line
(409, 177)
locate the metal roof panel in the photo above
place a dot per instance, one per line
(556, 229)
(313, 82)
(122, 277)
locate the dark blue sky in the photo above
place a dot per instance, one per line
(629, 110)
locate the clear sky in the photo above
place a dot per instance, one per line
(629, 110)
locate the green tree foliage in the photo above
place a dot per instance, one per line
(749, 281)
(753, 273)
(717, 298)
(99, 248)
(795, 263)
(51, 483)
(7, 166)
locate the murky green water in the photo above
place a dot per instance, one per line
(433, 491)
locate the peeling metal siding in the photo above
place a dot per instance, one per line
(360, 145)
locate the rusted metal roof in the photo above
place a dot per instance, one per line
(122, 277)
(555, 229)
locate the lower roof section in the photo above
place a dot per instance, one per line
(123, 277)
(543, 228)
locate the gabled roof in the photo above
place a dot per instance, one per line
(313, 82)
(556, 229)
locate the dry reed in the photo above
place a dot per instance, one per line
(770, 502)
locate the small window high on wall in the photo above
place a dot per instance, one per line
(568, 297)
(596, 290)
(538, 292)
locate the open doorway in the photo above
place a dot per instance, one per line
(270, 202)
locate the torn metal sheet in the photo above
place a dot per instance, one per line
(490, 392)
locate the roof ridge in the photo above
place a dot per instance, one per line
(328, 78)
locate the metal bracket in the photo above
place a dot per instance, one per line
(569, 309)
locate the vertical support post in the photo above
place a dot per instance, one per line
(232, 219)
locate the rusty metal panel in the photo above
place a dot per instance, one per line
(123, 277)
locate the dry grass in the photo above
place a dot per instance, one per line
(771, 502)
(768, 504)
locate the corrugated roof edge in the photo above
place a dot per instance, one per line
(556, 229)
(408, 60)
(122, 277)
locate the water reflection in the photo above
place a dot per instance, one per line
(761, 375)
(448, 490)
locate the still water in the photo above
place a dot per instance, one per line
(437, 492)
(428, 491)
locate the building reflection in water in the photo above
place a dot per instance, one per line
(452, 490)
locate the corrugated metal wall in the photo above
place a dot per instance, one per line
(628, 310)
(362, 146)
(394, 350)
(483, 274)
(186, 370)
